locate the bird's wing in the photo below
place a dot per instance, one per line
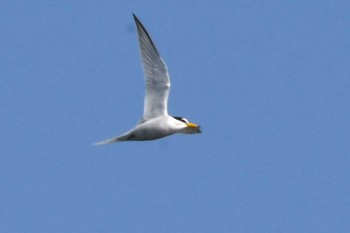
(156, 76)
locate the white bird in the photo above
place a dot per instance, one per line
(155, 123)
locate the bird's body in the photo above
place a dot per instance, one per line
(155, 123)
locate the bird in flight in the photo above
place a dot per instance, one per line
(155, 123)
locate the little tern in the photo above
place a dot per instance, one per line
(155, 123)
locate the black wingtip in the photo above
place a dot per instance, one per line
(142, 29)
(135, 17)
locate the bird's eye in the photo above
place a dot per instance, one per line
(184, 120)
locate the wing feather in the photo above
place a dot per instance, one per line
(156, 76)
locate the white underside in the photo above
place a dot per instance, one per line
(150, 130)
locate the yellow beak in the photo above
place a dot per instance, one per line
(192, 125)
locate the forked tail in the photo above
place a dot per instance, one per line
(125, 137)
(107, 141)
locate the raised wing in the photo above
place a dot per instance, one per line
(156, 76)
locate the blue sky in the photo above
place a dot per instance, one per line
(268, 81)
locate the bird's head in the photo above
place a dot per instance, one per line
(189, 128)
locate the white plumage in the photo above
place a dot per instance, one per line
(155, 123)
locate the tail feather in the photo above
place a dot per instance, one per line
(107, 141)
(124, 137)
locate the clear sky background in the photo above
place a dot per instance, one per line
(268, 81)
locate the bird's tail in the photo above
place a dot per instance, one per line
(124, 137)
(107, 141)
